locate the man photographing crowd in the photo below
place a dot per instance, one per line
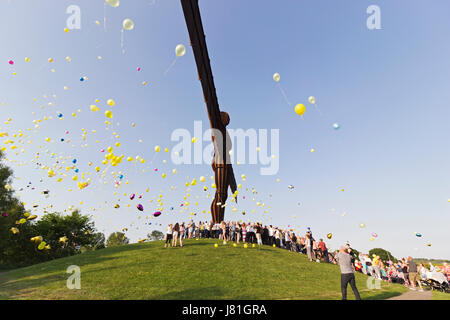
(345, 263)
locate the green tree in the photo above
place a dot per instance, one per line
(383, 254)
(11, 211)
(16, 249)
(77, 228)
(155, 235)
(117, 239)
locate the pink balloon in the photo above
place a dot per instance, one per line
(11, 62)
(139, 69)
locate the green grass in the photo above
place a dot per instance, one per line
(437, 295)
(196, 271)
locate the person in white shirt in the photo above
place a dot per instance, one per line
(287, 239)
(168, 236)
(271, 242)
(277, 238)
(309, 246)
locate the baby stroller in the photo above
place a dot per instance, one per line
(436, 281)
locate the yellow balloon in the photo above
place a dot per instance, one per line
(94, 108)
(300, 109)
(157, 148)
(113, 3)
(180, 50)
(111, 102)
(276, 77)
(128, 24)
(108, 114)
(41, 246)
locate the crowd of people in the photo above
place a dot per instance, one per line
(404, 271)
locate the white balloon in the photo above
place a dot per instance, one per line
(312, 100)
(180, 50)
(276, 77)
(113, 3)
(128, 24)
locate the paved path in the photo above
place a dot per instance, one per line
(414, 295)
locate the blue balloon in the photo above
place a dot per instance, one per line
(62, 139)
(76, 170)
(82, 79)
(60, 115)
(74, 160)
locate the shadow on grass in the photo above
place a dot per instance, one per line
(384, 295)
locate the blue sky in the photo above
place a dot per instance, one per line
(388, 89)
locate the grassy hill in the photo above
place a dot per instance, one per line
(196, 271)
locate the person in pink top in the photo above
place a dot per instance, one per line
(446, 270)
(244, 232)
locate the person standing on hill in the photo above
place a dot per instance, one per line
(175, 231)
(182, 233)
(347, 276)
(258, 234)
(168, 237)
(271, 238)
(414, 276)
(309, 246)
(238, 233)
(323, 248)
